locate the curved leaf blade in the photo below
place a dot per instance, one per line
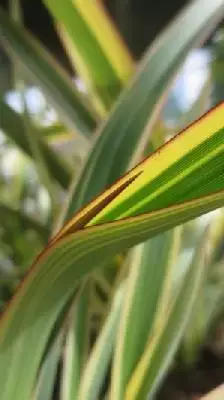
(98, 361)
(76, 344)
(121, 134)
(75, 251)
(49, 284)
(163, 344)
(48, 372)
(94, 46)
(169, 176)
(150, 267)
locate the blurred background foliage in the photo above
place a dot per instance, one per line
(31, 198)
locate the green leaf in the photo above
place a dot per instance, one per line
(48, 285)
(76, 344)
(51, 281)
(214, 304)
(12, 124)
(94, 46)
(29, 319)
(151, 264)
(100, 356)
(122, 133)
(47, 74)
(48, 372)
(103, 166)
(185, 168)
(209, 303)
(163, 344)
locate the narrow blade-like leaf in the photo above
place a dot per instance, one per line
(150, 268)
(80, 246)
(185, 168)
(163, 344)
(123, 132)
(48, 373)
(76, 344)
(98, 361)
(98, 53)
(51, 281)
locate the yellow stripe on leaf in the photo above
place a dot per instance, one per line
(152, 167)
(93, 12)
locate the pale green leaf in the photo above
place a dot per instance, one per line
(163, 344)
(122, 133)
(49, 284)
(76, 344)
(150, 267)
(94, 46)
(100, 356)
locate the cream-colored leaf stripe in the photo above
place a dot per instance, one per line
(33, 310)
(206, 135)
(93, 13)
(90, 31)
(198, 149)
(31, 314)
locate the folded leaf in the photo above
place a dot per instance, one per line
(39, 299)
(130, 120)
(75, 251)
(187, 167)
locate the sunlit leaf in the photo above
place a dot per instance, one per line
(130, 122)
(75, 251)
(95, 48)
